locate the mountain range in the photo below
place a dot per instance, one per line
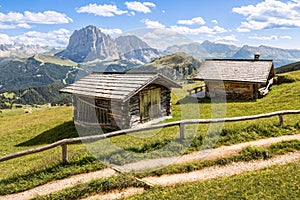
(36, 70)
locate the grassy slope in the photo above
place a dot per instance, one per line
(38, 128)
(55, 60)
(52, 124)
(288, 68)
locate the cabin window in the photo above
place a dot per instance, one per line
(102, 115)
(150, 104)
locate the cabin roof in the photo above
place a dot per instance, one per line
(120, 86)
(251, 71)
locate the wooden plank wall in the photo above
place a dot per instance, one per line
(233, 90)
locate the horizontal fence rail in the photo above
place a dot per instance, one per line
(87, 139)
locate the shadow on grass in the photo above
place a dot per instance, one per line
(63, 131)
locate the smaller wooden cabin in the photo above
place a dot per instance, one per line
(236, 78)
(121, 100)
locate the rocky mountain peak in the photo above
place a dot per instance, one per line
(88, 44)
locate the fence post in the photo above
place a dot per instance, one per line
(280, 119)
(64, 152)
(181, 129)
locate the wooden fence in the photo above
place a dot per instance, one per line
(63, 143)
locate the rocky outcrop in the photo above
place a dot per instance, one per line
(132, 48)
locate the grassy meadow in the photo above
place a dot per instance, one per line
(20, 131)
(277, 182)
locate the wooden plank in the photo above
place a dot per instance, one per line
(103, 84)
(113, 88)
(101, 91)
(92, 94)
(64, 153)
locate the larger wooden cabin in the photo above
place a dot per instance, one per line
(236, 79)
(121, 100)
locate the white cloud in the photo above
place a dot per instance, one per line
(153, 24)
(243, 30)
(5, 39)
(268, 38)
(229, 39)
(215, 21)
(264, 38)
(195, 31)
(58, 37)
(270, 14)
(15, 19)
(111, 31)
(105, 10)
(139, 6)
(286, 37)
(196, 20)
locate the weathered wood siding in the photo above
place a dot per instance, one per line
(135, 110)
(114, 114)
(231, 90)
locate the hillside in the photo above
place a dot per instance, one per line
(20, 131)
(35, 80)
(178, 66)
(288, 68)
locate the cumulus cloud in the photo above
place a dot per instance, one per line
(153, 24)
(5, 39)
(268, 38)
(16, 19)
(196, 20)
(195, 31)
(144, 7)
(57, 38)
(270, 14)
(105, 10)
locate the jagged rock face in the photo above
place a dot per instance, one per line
(89, 44)
(132, 48)
(3, 47)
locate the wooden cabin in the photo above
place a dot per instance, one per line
(121, 100)
(236, 78)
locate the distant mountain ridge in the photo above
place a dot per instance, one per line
(179, 66)
(209, 49)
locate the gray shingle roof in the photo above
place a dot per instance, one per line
(254, 71)
(120, 86)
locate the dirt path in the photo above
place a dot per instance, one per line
(223, 171)
(59, 184)
(117, 194)
(210, 154)
(223, 151)
(204, 174)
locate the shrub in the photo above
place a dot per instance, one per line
(285, 78)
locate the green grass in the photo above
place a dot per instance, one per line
(277, 182)
(83, 164)
(125, 181)
(55, 60)
(20, 131)
(96, 186)
(247, 154)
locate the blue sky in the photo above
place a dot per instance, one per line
(253, 22)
